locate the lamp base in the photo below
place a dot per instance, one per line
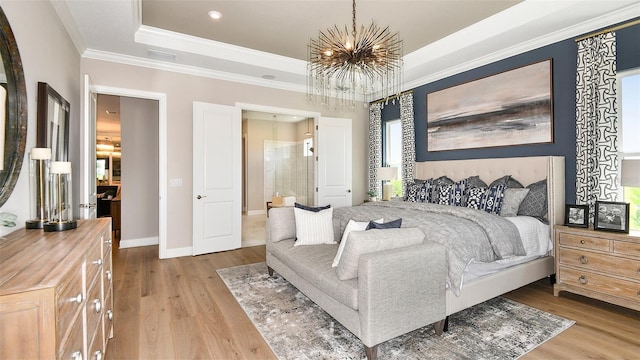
(387, 191)
(60, 226)
(34, 224)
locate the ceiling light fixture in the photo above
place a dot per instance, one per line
(362, 65)
(215, 15)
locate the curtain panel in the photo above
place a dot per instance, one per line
(596, 121)
(375, 146)
(408, 138)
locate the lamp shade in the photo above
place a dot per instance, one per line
(630, 173)
(387, 173)
(40, 154)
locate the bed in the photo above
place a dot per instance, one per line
(482, 281)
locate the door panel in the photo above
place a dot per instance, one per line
(334, 162)
(217, 186)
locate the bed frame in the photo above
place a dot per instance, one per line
(527, 170)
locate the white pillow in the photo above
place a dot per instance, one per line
(314, 228)
(351, 226)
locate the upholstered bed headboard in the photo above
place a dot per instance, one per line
(527, 170)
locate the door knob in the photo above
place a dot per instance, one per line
(349, 190)
(200, 197)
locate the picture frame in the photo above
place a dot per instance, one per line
(53, 122)
(611, 216)
(576, 215)
(513, 107)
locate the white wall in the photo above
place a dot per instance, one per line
(48, 55)
(139, 165)
(182, 90)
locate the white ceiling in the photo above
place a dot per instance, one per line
(269, 38)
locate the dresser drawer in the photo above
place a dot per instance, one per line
(71, 349)
(69, 302)
(604, 263)
(584, 242)
(626, 248)
(94, 307)
(106, 243)
(94, 262)
(586, 280)
(96, 347)
(107, 315)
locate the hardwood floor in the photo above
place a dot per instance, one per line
(180, 309)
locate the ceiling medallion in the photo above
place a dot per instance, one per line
(362, 65)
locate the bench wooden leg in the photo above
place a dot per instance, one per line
(372, 352)
(439, 326)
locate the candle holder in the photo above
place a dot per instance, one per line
(39, 187)
(61, 214)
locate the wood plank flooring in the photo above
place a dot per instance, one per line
(180, 309)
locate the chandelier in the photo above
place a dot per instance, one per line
(358, 65)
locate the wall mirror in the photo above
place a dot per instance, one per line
(53, 122)
(13, 111)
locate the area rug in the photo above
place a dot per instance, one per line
(296, 328)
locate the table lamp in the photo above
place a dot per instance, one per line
(387, 174)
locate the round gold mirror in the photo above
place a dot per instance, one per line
(13, 112)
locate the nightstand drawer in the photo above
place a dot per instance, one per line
(585, 242)
(603, 263)
(586, 280)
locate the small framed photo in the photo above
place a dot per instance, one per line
(611, 216)
(576, 215)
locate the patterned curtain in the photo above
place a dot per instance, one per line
(408, 138)
(596, 121)
(375, 146)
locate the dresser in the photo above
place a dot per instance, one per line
(56, 292)
(598, 264)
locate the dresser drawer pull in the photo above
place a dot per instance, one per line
(78, 299)
(108, 275)
(583, 259)
(97, 305)
(582, 242)
(108, 241)
(98, 355)
(583, 280)
(110, 314)
(98, 262)
(77, 355)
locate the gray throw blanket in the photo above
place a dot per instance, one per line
(468, 234)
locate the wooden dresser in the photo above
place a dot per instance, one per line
(599, 264)
(56, 293)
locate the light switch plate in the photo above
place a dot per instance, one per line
(175, 182)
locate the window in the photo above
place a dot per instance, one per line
(393, 151)
(629, 110)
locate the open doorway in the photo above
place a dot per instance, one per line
(279, 167)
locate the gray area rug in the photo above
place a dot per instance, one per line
(296, 328)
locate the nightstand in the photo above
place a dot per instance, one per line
(598, 264)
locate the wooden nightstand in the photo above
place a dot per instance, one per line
(598, 264)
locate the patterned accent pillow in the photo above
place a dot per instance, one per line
(474, 197)
(443, 194)
(475, 181)
(452, 194)
(412, 191)
(492, 199)
(437, 183)
(512, 200)
(535, 203)
(507, 180)
(425, 193)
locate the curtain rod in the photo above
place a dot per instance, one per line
(391, 97)
(613, 28)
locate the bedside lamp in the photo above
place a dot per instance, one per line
(630, 173)
(387, 174)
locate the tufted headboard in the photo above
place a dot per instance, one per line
(527, 170)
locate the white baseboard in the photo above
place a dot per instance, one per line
(179, 252)
(124, 244)
(256, 212)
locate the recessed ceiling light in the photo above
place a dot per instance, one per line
(215, 15)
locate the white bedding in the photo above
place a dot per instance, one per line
(535, 238)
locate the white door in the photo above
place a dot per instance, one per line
(217, 183)
(88, 151)
(334, 161)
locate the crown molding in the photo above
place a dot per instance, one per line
(62, 10)
(190, 70)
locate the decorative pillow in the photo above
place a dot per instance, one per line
(535, 203)
(443, 192)
(492, 199)
(475, 181)
(388, 225)
(425, 194)
(511, 201)
(508, 180)
(313, 228)
(311, 208)
(442, 181)
(474, 197)
(412, 191)
(365, 242)
(281, 227)
(457, 193)
(351, 226)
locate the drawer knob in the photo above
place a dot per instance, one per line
(77, 355)
(582, 242)
(98, 262)
(108, 241)
(98, 355)
(110, 314)
(583, 259)
(583, 280)
(97, 305)
(78, 299)
(108, 275)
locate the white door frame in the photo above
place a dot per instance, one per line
(162, 153)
